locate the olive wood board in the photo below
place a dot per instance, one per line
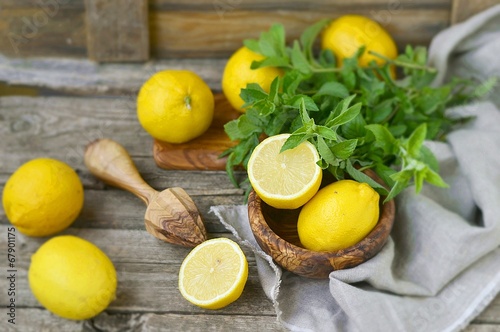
(201, 153)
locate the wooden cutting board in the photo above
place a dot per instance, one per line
(203, 152)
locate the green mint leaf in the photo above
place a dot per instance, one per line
(294, 140)
(346, 116)
(383, 110)
(265, 108)
(309, 103)
(403, 176)
(272, 42)
(385, 173)
(397, 188)
(303, 113)
(308, 37)
(299, 60)
(271, 62)
(362, 177)
(398, 130)
(334, 89)
(325, 153)
(274, 90)
(419, 177)
(344, 149)
(354, 128)
(251, 94)
(232, 130)
(326, 132)
(383, 138)
(327, 58)
(435, 179)
(252, 45)
(246, 126)
(341, 107)
(291, 82)
(429, 158)
(416, 140)
(230, 169)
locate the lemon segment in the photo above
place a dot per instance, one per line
(72, 277)
(42, 197)
(285, 180)
(338, 216)
(213, 274)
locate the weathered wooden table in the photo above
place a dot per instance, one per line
(80, 102)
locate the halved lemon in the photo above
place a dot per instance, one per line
(213, 274)
(285, 180)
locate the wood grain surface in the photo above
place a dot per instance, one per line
(196, 28)
(117, 30)
(147, 298)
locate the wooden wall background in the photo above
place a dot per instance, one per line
(137, 30)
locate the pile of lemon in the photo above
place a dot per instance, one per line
(73, 278)
(68, 275)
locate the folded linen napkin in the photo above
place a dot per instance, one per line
(441, 266)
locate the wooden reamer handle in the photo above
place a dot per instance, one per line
(110, 162)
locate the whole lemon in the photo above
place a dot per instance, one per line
(237, 74)
(175, 106)
(345, 35)
(72, 277)
(42, 197)
(340, 215)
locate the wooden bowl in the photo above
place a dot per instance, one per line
(276, 233)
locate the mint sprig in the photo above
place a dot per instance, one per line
(358, 118)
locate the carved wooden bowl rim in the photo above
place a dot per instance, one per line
(316, 264)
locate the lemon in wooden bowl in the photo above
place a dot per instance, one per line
(275, 231)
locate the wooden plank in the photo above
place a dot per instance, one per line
(42, 31)
(209, 29)
(463, 9)
(482, 328)
(84, 77)
(116, 209)
(44, 127)
(230, 5)
(147, 272)
(208, 35)
(36, 320)
(117, 30)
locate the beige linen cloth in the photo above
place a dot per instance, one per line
(441, 266)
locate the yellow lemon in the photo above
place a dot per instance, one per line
(72, 278)
(345, 35)
(340, 215)
(175, 106)
(237, 74)
(285, 180)
(42, 197)
(213, 275)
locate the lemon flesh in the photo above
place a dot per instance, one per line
(338, 216)
(42, 197)
(285, 180)
(72, 277)
(213, 274)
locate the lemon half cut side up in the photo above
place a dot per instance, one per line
(288, 179)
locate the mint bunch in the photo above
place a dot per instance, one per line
(357, 117)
